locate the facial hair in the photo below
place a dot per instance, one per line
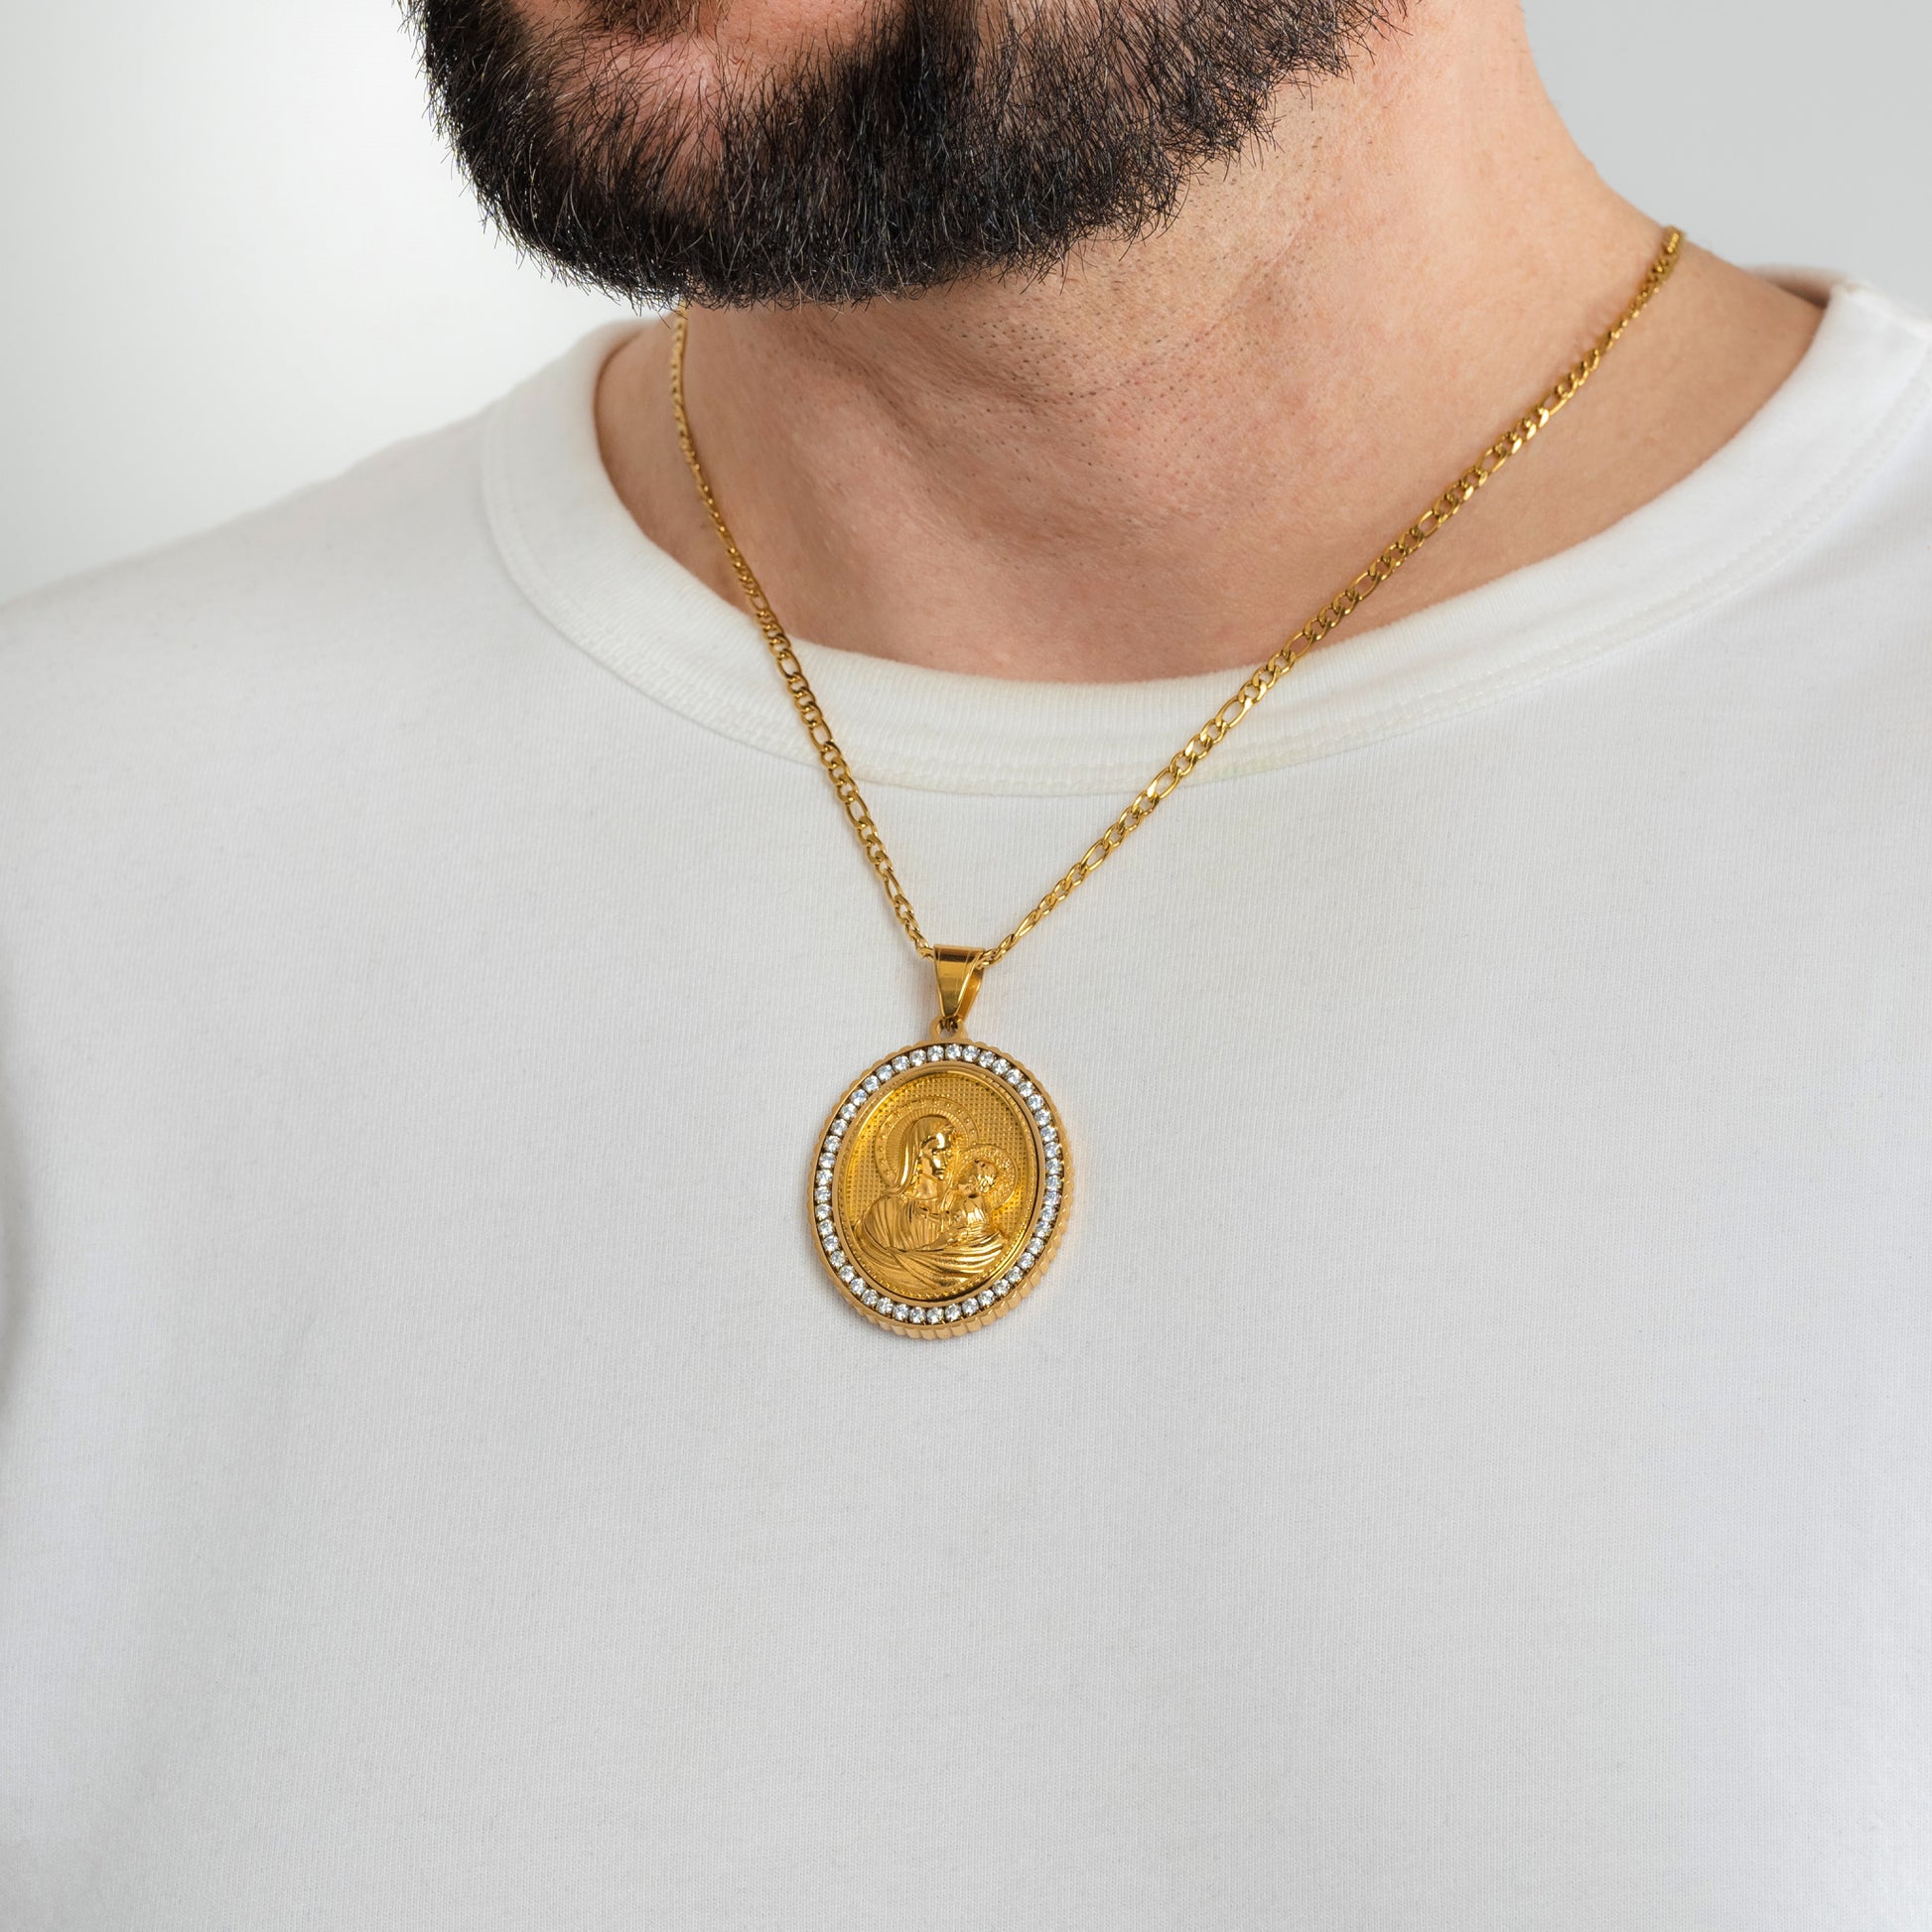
(945, 139)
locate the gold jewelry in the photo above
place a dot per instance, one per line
(942, 1180)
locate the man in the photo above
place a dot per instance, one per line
(1465, 1464)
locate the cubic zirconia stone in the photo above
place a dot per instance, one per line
(850, 1108)
(918, 1056)
(900, 1310)
(870, 1083)
(969, 1053)
(901, 1062)
(952, 1311)
(952, 1052)
(870, 1297)
(999, 1067)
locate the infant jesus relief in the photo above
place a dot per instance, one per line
(938, 1229)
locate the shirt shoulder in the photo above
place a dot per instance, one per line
(1847, 589)
(1884, 351)
(263, 663)
(398, 518)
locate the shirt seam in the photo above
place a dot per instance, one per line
(1829, 500)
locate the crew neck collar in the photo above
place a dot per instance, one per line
(574, 550)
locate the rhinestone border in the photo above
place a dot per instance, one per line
(961, 1314)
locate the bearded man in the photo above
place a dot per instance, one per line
(1460, 1463)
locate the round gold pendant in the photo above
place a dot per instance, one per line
(939, 1189)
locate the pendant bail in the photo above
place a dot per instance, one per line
(958, 971)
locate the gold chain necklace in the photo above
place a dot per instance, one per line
(942, 1179)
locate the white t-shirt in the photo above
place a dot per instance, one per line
(1468, 1468)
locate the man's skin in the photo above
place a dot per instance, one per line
(1163, 460)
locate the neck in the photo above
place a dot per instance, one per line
(1162, 460)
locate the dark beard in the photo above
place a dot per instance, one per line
(947, 140)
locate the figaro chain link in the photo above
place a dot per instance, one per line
(1263, 680)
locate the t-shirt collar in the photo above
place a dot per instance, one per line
(574, 550)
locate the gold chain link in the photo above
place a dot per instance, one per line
(1141, 807)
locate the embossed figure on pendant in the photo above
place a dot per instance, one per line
(938, 1229)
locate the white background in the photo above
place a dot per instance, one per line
(234, 257)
